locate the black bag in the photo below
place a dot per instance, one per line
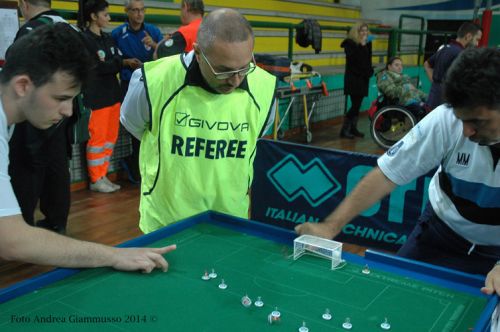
(278, 66)
(309, 33)
(81, 116)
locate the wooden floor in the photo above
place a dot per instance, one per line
(113, 218)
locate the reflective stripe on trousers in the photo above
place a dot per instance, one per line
(103, 128)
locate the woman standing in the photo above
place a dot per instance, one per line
(102, 94)
(358, 70)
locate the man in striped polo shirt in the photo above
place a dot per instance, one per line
(460, 228)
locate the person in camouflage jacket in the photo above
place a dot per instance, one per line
(393, 84)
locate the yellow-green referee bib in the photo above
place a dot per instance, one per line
(198, 152)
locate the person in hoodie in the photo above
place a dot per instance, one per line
(358, 70)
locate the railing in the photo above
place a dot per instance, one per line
(393, 33)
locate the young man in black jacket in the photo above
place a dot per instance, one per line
(39, 166)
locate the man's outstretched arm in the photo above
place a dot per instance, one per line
(372, 188)
(21, 242)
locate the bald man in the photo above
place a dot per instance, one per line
(198, 116)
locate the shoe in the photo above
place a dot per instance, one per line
(356, 132)
(133, 178)
(354, 128)
(345, 132)
(111, 184)
(101, 186)
(48, 226)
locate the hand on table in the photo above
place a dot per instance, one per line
(492, 283)
(317, 229)
(144, 259)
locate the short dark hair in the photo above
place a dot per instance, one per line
(45, 51)
(90, 7)
(473, 80)
(467, 27)
(195, 6)
(391, 60)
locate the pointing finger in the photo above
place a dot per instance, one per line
(166, 249)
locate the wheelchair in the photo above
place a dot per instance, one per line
(389, 122)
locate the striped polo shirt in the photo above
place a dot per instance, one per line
(465, 190)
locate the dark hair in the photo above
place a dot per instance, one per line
(473, 80)
(46, 50)
(391, 60)
(195, 6)
(87, 8)
(468, 27)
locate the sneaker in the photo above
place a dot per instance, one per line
(101, 186)
(48, 226)
(133, 177)
(111, 184)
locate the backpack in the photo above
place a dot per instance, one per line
(308, 32)
(277, 66)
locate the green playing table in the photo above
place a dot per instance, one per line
(255, 260)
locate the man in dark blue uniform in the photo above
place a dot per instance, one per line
(137, 41)
(468, 35)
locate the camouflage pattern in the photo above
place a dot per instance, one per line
(398, 86)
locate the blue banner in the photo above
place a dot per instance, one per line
(296, 183)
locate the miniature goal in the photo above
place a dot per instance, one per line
(309, 244)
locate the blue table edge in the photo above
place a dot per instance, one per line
(433, 274)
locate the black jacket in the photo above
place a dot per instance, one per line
(36, 22)
(29, 145)
(358, 67)
(103, 88)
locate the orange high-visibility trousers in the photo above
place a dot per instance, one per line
(103, 128)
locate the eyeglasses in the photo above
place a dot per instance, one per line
(137, 10)
(227, 74)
